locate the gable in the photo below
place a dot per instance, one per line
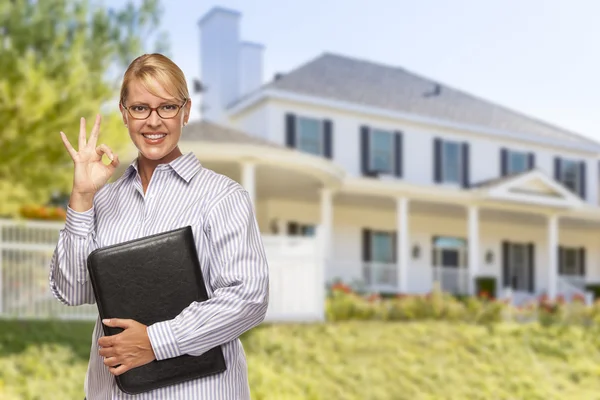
(533, 187)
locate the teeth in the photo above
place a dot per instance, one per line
(154, 137)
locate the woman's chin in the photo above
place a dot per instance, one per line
(157, 153)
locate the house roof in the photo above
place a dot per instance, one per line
(204, 130)
(367, 83)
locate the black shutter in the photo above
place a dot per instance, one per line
(366, 244)
(327, 138)
(505, 265)
(293, 228)
(364, 149)
(437, 160)
(466, 167)
(582, 179)
(582, 260)
(399, 156)
(531, 160)
(557, 168)
(559, 263)
(290, 130)
(531, 252)
(503, 162)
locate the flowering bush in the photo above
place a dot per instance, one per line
(345, 304)
(43, 212)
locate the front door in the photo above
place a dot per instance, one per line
(518, 266)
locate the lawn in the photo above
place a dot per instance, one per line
(345, 360)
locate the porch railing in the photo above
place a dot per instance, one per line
(453, 280)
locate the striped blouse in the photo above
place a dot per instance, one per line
(232, 256)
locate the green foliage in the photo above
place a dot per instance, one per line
(376, 360)
(485, 284)
(61, 60)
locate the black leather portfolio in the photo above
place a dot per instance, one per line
(152, 279)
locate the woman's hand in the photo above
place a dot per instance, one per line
(128, 349)
(90, 172)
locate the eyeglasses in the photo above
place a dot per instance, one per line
(143, 111)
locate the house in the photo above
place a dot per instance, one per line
(409, 181)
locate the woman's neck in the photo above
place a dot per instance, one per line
(146, 166)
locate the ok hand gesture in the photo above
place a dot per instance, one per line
(90, 172)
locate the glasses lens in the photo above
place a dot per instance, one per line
(168, 110)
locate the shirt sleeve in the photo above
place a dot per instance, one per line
(68, 278)
(239, 277)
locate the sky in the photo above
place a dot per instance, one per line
(538, 57)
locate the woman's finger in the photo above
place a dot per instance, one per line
(82, 134)
(111, 361)
(104, 149)
(68, 145)
(95, 131)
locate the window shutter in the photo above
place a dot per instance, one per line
(582, 180)
(557, 168)
(582, 260)
(366, 244)
(328, 138)
(364, 147)
(465, 165)
(437, 160)
(503, 162)
(560, 263)
(399, 156)
(290, 130)
(531, 252)
(531, 160)
(505, 266)
(293, 228)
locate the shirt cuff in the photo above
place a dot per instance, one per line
(163, 340)
(79, 223)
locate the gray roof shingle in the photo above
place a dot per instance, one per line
(205, 130)
(364, 82)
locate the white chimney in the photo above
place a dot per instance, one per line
(251, 67)
(219, 61)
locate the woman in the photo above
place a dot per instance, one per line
(161, 190)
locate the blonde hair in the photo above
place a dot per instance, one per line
(157, 67)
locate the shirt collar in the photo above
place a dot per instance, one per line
(186, 166)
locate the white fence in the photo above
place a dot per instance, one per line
(296, 292)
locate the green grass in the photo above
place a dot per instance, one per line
(350, 360)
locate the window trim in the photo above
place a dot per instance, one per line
(321, 135)
(371, 165)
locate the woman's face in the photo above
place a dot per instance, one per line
(156, 138)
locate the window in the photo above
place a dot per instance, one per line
(570, 262)
(569, 174)
(309, 135)
(517, 162)
(382, 247)
(298, 229)
(382, 151)
(451, 162)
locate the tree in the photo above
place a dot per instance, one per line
(61, 60)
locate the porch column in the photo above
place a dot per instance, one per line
(402, 243)
(249, 180)
(473, 248)
(552, 256)
(327, 222)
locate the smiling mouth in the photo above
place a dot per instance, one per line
(154, 136)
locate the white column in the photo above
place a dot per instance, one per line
(327, 222)
(402, 243)
(552, 256)
(249, 180)
(474, 254)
